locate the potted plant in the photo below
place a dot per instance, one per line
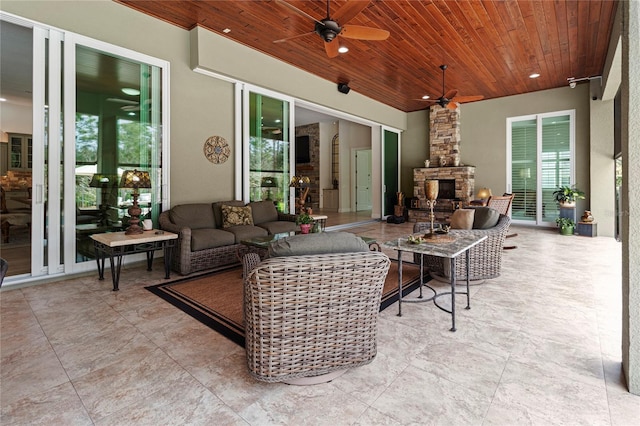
(566, 225)
(566, 195)
(305, 221)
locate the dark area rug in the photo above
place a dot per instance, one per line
(215, 299)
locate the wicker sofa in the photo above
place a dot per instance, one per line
(309, 317)
(204, 244)
(485, 259)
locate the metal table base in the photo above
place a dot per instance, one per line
(115, 254)
(435, 295)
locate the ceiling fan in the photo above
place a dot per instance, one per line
(329, 28)
(450, 99)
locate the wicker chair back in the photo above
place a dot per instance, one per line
(312, 315)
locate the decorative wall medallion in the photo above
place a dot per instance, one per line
(216, 149)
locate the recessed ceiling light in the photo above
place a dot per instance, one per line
(130, 91)
(132, 113)
(534, 75)
(343, 49)
(3, 100)
(226, 30)
(278, 120)
(426, 97)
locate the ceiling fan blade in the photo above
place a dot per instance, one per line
(298, 11)
(452, 105)
(450, 94)
(282, 40)
(363, 33)
(349, 10)
(331, 48)
(462, 99)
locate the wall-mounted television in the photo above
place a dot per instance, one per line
(302, 149)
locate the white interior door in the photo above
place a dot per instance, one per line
(363, 179)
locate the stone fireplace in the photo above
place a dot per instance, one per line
(457, 181)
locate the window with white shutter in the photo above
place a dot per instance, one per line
(541, 152)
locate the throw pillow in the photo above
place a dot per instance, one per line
(485, 218)
(234, 216)
(462, 219)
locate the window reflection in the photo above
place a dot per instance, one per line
(118, 128)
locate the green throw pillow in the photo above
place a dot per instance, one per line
(234, 216)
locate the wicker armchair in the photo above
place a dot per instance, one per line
(485, 259)
(309, 318)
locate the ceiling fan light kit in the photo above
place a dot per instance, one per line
(450, 99)
(330, 27)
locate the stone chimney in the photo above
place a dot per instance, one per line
(457, 182)
(444, 136)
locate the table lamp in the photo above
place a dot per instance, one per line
(301, 183)
(269, 182)
(431, 188)
(135, 179)
(484, 194)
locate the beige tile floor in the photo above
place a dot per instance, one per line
(541, 346)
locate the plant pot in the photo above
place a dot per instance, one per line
(568, 204)
(305, 228)
(567, 230)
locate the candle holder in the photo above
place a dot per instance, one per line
(431, 189)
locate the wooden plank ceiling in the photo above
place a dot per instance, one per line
(491, 47)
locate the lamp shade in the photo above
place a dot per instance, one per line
(484, 193)
(135, 179)
(269, 182)
(300, 182)
(99, 179)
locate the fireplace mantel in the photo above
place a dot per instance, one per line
(464, 177)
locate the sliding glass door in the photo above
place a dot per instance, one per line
(390, 170)
(541, 158)
(82, 112)
(268, 152)
(118, 127)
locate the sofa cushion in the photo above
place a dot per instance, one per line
(217, 209)
(194, 216)
(234, 216)
(279, 226)
(207, 238)
(323, 242)
(462, 219)
(263, 211)
(244, 232)
(485, 218)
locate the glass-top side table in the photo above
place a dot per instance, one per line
(461, 243)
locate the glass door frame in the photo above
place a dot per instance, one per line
(390, 162)
(539, 135)
(243, 93)
(71, 41)
(53, 115)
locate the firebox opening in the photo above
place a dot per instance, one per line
(446, 189)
